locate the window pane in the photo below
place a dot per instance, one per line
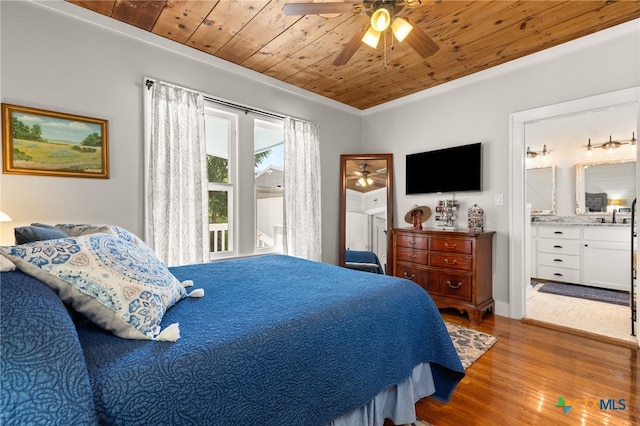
(219, 240)
(269, 163)
(217, 133)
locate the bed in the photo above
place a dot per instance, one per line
(275, 340)
(363, 260)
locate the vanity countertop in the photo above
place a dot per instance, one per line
(598, 224)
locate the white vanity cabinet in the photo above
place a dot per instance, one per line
(598, 256)
(558, 253)
(606, 257)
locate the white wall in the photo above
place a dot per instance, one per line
(61, 62)
(476, 109)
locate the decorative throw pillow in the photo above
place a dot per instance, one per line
(37, 232)
(74, 230)
(116, 284)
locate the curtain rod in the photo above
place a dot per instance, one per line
(246, 109)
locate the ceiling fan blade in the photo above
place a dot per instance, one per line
(350, 48)
(420, 41)
(316, 8)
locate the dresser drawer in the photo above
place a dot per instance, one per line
(559, 274)
(559, 260)
(451, 246)
(546, 245)
(562, 232)
(454, 285)
(419, 276)
(409, 255)
(412, 241)
(451, 261)
(407, 271)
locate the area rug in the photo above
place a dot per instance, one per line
(470, 344)
(586, 292)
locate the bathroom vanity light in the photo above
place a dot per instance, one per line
(533, 154)
(611, 144)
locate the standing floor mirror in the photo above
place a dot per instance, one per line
(366, 211)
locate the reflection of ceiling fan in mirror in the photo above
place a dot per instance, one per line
(384, 15)
(363, 179)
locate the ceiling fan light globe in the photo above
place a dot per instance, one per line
(380, 19)
(371, 38)
(401, 29)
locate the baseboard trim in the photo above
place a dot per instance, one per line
(588, 334)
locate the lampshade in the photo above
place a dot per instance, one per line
(401, 28)
(380, 19)
(4, 217)
(371, 37)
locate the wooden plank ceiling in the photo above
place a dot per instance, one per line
(472, 36)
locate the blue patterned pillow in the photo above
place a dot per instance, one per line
(119, 286)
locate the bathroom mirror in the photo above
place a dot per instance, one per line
(366, 208)
(605, 186)
(541, 190)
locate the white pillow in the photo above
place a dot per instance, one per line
(120, 286)
(6, 265)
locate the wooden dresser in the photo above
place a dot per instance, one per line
(454, 267)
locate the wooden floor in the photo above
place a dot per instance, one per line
(520, 379)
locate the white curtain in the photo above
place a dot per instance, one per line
(176, 205)
(302, 189)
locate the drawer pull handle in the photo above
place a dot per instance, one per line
(452, 246)
(413, 256)
(448, 262)
(558, 274)
(454, 286)
(412, 242)
(409, 277)
(557, 246)
(557, 260)
(559, 232)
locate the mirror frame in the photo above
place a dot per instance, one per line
(343, 201)
(552, 211)
(580, 183)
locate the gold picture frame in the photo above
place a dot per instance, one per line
(48, 143)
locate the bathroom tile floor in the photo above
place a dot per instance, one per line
(599, 318)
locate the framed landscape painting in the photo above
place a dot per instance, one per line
(47, 143)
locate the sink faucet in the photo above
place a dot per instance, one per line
(613, 218)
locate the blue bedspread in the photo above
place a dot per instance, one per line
(353, 258)
(275, 341)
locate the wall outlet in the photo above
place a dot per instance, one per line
(499, 199)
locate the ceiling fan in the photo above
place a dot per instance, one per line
(383, 15)
(365, 178)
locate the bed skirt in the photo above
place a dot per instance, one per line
(397, 402)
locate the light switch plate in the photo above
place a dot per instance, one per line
(499, 199)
